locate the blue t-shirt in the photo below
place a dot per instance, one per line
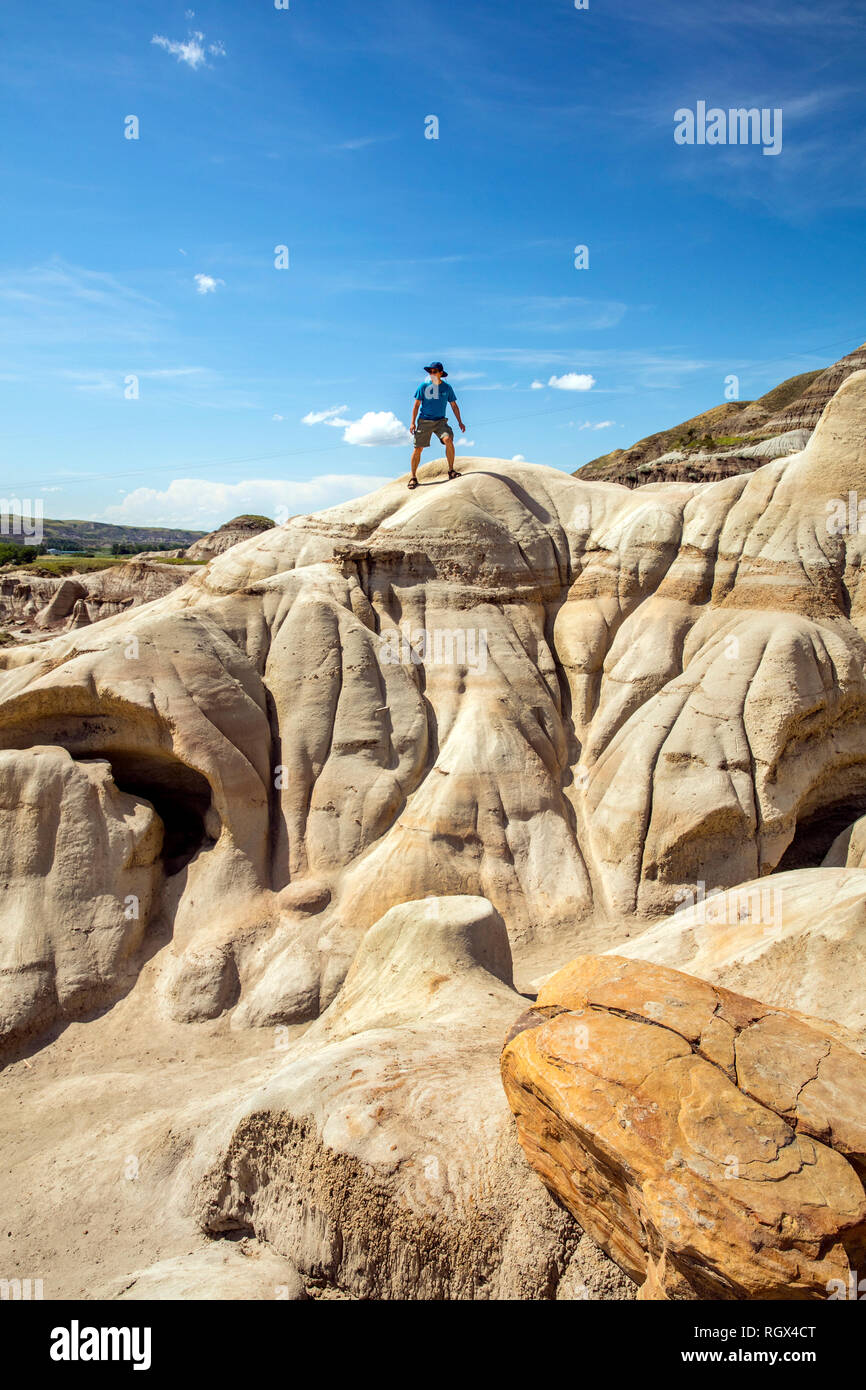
(434, 399)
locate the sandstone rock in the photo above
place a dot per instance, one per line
(380, 740)
(710, 1144)
(240, 528)
(587, 703)
(305, 895)
(80, 863)
(221, 1272)
(805, 411)
(62, 602)
(379, 1157)
(793, 407)
(796, 939)
(54, 604)
(848, 850)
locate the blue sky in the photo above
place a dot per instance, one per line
(305, 128)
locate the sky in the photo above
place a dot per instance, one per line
(428, 171)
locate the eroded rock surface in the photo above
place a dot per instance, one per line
(796, 939)
(35, 606)
(713, 1146)
(80, 866)
(362, 766)
(570, 699)
(379, 1157)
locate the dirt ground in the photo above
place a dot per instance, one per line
(98, 1131)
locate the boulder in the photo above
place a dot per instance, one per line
(713, 1146)
(796, 939)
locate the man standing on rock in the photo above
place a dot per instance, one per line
(432, 397)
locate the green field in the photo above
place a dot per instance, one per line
(61, 564)
(87, 564)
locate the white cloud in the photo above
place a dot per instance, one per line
(194, 51)
(275, 416)
(206, 284)
(602, 425)
(518, 458)
(202, 505)
(375, 428)
(333, 416)
(572, 381)
(537, 386)
(465, 443)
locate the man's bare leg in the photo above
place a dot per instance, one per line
(416, 459)
(449, 452)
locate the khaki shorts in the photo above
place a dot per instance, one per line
(425, 429)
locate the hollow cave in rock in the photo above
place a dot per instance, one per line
(180, 796)
(815, 833)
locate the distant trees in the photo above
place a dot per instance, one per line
(11, 553)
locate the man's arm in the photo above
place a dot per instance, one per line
(455, 407)
(416, 406)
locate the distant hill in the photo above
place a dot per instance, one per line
(94, 535)
(722, 427)
(795, 404)
(240, 528)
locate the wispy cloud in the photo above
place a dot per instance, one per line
(193, 51)
(363, 142)
(57, 302)
(624, 367)
(201, 503)
(564, 313)
(105, 380)
(333, 416)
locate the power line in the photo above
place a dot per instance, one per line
(81, 479)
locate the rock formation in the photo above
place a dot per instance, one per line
(363, 771)
(727, 439)
(713, 1146)
(795, 939)
(32, 605)
(80, 864)
(596, 700)
(804, 412)
(240, 528)
(381, 1156)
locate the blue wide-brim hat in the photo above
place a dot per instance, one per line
(436, 367)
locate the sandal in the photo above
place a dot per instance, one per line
(452, 473)
(413, 482)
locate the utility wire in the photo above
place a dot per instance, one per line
(79, 479)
